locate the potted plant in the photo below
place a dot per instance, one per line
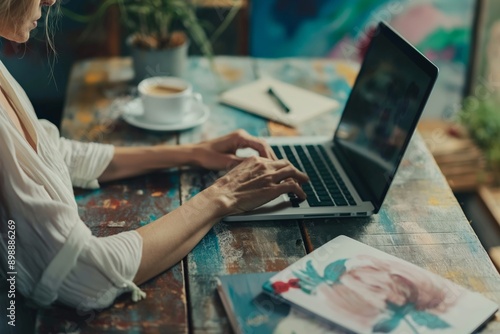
(481, 117)
(156, 47)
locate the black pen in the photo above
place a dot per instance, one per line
(282, 104)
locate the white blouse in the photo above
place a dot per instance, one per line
(56, 256)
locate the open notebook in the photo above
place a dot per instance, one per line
(254, 97)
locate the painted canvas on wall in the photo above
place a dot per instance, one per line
(335, 28)
(441, 29)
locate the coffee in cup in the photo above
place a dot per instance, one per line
(166, 99)
(162, 90)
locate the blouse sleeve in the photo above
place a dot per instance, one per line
(56, 256)
(85, 161)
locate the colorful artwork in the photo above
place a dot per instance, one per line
(373, 289)
(367, 291)
(341, 28)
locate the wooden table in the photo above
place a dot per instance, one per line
(420, 220)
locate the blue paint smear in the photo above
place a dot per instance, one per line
(338, 86)
(386, 222)
(87, 196)
(134, 318)
(174, 185)
(207, 255)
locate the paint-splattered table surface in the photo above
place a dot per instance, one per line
(420, 220)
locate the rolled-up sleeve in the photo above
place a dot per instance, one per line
(85, 161)
(57, 258)
(104, 270)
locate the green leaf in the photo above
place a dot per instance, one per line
(307, 284)
(267, 286)
(309, 278)
(428, 320)
(387, 325)
(334, 270)
(402, 310)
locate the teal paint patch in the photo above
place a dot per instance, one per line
(178, 274)
(150, 219)
(338, 86)
(193, 192)
(207, 255)
(173, 179)
(254, 125)
(135, 319)
(87, 196)
(473, 242)
(386, 222)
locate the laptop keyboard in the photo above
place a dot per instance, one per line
(326, 187)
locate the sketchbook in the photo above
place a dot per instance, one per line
(302, 104)
(250, 310)
(365, 290)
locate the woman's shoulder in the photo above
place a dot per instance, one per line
(6, 79)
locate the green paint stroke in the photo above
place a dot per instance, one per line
(445, 38)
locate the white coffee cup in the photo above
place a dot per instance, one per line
(166, 99)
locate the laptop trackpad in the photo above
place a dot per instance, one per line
(279, 203)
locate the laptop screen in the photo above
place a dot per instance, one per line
(383, 109)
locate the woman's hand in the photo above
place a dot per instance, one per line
(254, 182)
(219, 153)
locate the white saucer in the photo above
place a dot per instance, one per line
(133, 115)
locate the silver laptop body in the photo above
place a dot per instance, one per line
(351, 173)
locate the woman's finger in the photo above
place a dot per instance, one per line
(260, 145)
(289, 172)
(290, 186)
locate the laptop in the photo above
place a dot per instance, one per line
(351, 173)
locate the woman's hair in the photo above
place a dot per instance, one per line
(12, 12)
(50, 24)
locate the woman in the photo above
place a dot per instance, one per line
(56, 257)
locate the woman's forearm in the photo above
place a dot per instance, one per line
(132, 161)
(254, 182)
(169, 239)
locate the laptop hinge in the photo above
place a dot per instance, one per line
(363, 191)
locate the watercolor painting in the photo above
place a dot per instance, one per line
(373, 289)
(485, 62)
(367, 291)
